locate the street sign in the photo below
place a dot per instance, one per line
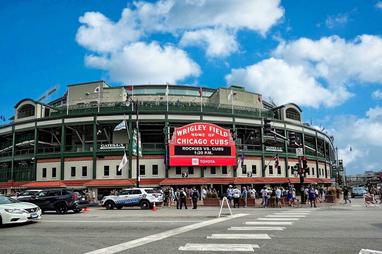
(134, 145)
(299, 151)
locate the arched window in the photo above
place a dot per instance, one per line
(292, 113)
(26, 111)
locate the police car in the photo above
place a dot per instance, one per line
(142, 197)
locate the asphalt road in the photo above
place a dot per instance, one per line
(339, 229)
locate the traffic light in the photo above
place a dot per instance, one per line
(304, 163)
(267, 125)
(292, 138)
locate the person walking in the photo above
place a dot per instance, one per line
(195, 197)
(312, 196)
(278, 197)
(346, 195)
(244, 196)
(183, 197)
(236, 198)
(230, 194)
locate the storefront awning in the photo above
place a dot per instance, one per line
(44, 184)
(110, 183)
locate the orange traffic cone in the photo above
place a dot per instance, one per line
(85, 210)
(154, 209)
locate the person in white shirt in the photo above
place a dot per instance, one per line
(278, 197)
(236, 198)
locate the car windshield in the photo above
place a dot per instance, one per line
(29, 193)
(7, 200)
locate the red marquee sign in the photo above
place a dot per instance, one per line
(202, 144)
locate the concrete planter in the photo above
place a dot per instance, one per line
(211, 202)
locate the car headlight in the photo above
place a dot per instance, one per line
(19, 211)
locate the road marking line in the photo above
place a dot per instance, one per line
(119, 221)
(218, 247)
(278, 219)
(240, 236)
(367, 251)
(286, 216)
(156, 237)
(257, 228)
(275, 223)
(291, 213)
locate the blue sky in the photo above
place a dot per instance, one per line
(324, 55)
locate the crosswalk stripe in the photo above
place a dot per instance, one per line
(275, 223)
(219, 247)
(285, 215)
(278, 219)
(239, 236)
(257, 228)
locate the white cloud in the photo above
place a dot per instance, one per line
(171, 15)
(284, 83)
(336, 60)
(146, 63)
(337, 20)
(378, 5)
(314, 72)
(208, 20)
(359, 140)
(100, 34)
(377, 94)
(217, 42)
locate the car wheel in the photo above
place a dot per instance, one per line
(145, 204)
(77, 210)
(61, 208)
(109, 205)
(119, 207)
(1, 222)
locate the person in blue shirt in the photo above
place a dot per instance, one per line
(312, 196)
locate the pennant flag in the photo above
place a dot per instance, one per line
(120, 126)
(276, 161)
(66, 94)
(123, 162)
(130, 88)
(200, 92)
(259, 98)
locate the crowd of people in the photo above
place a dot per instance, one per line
(277, 196)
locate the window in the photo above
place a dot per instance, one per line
(270, 169)
(118, 172)
(190, 170)
(26, 111)
(155, 169)
(142, 170)
(178, 170)
(244, 169)
(279, 170)
(254, 170)
(73, 171)
(44, 172)
(84, 171)
(135, 192)
(308, 171)
(106, 170)
(213, 170)
(312, 171)
(54, 172)
(293, 114)
(224, 170)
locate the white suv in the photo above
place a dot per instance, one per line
(142, 197)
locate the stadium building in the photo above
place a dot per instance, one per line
(189, 136)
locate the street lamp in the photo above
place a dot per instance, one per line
(133, 103)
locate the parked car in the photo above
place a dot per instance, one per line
(59, 200)
(358, 191)
(142, 197)
(13, 211)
